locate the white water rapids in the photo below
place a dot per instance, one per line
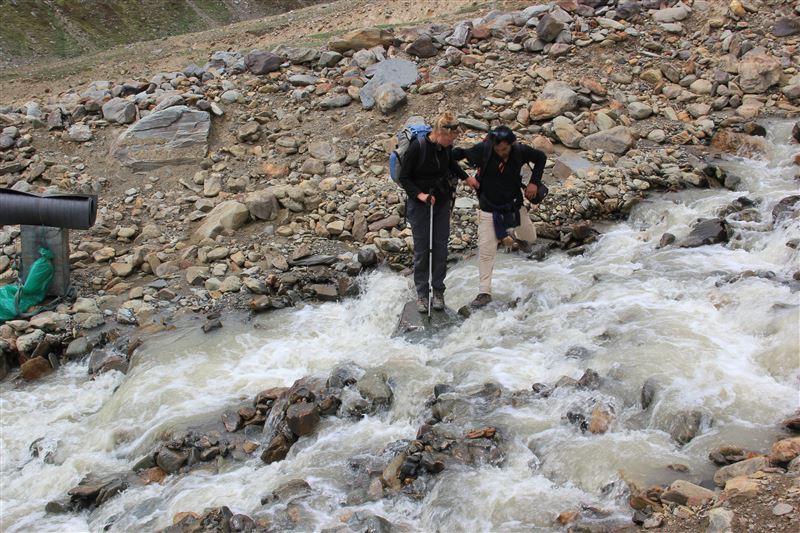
(730, 351)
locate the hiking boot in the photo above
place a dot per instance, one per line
(438, 300)
(481, 300)
(422, 305)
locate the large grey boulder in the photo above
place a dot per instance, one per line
(398, 71)
(119, 110)
(262, 205)
(227, 217)
(616, 140)
(174, 136)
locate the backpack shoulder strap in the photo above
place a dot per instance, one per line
(423, 151)
(487, 155)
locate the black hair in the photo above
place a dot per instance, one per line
(502, 134)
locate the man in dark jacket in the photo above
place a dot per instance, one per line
(427, 184)
(499, 161)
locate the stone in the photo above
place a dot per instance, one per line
(785, 450)
(556, 98)
(639, 110)
(174, 136)
(566, 132)
(35, 368)
(742, 468)
(720, 520)
(739, 144)
(260, 62)
(617, 140)
(336, 101)
(302, 418)
(225, 218)
(77, 348)
(685, 493)
(711, 231)
(389, 96)
(758, 71)
(549, 27)
(80, 133)
(326, 152)
(781, 509)
(740, 487)
(119, 111)
(671, 14)
(786, 26)
(422, 47)
(460, 35)
(397, 71)
(170, 461)
(360, 39)
(374, 388)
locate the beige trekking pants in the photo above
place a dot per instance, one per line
(487, 244)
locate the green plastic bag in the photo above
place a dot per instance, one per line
(15, 301)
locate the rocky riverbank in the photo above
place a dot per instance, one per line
(258, 180)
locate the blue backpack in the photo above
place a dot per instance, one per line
(404, 139)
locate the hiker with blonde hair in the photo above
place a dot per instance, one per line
(428, 175)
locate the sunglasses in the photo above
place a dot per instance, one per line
(451, 127)
(504, 136)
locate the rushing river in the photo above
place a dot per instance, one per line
(726, 349)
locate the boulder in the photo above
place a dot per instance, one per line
(711, 231)
(556, 99)
(302, 418)
(119, 111)
(35, 368)
(396, 71)
(325, 152)
(174, 136)
(422, 47)
(785, 450)
(549, 28)
(686, 493)
(758, 71)
(460, 35)
(260, 62)
(742, 468)
(566, 132)
(786, 26)
(360, 39)
(79, 133)
(389, 96)
(225, 218)
(739, 144)
(617, 140)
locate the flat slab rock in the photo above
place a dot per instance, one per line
(177, 135)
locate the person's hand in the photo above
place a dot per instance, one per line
(425, 198)
(530, 191)
(473, 182)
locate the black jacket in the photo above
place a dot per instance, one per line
(433, 174)
(502, 188)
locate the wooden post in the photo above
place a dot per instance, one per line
(57, 241)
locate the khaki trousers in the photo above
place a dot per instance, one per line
(487, 244)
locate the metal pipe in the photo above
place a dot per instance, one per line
(73, 211)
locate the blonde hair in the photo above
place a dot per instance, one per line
(442, 119)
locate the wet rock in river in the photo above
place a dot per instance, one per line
(726, 455)
(373, 386)
(711, 231)
(648, 394)
(685, 425)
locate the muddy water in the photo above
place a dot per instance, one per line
(626, 309)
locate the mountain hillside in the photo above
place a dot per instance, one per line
(37, 29)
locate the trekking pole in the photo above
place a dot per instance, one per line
(430, 261)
